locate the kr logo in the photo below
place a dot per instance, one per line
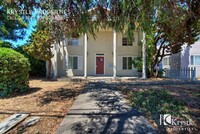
(165, 119)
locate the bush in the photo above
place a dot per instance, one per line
(14, 68)
(137, 63)
(38, 67)
(161, 73)
(153, 102)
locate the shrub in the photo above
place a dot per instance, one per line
(137, 63)
(161, 73)
(154, 102)
(14, 68)
(38, 67)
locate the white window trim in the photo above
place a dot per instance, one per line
(127, 63)
(194, 62)
(78, 56)
(168, 61)
(72, 38)
(133, 41)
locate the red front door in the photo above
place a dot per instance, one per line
(99, 65)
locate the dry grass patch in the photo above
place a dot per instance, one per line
(49, 100)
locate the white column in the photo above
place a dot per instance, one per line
(114, 54)
(85, 55)
(55, 62)
(64, 57)
(144, 57)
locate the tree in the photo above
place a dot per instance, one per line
(40, 45)
(13, 20)
(168, 24)
(38, 67)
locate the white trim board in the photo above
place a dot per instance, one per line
(11, 121)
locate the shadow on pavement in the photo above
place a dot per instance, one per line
(104, 111)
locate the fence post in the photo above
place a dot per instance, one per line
(167, 73)
(182, 73)
(190, 71)
(186, 70)
(194, 74)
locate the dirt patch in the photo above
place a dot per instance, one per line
(49, 100)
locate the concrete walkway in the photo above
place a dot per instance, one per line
(101, 109)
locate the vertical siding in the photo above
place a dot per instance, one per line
(195, 50)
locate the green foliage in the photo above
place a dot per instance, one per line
(40, 45)
(5, 44)
(38, 67)
(14, 68)
(161, 73)
(154, 102)
(168, 27)
(12, 22)
(137, 62)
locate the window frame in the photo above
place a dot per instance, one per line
(127, 42)
(71, 66)
(166, 63)
(193, 60)
(128, 65)
(72, 40)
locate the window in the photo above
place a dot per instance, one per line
(126, 42)
(73, 62)
(73, 41)
(127, 63)
(195, 60)
(166, 61)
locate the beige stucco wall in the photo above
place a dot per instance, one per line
(102, 44)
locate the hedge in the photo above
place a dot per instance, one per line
(14, 68)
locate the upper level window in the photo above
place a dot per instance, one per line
(166, 61)
(73, 41)
(195, 60)
(126, 42)
(127, 63)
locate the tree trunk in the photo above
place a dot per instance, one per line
(152, 66)
(156, 72)
(49, 69)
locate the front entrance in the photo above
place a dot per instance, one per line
(100, 65)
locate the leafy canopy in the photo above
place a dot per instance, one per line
(13, 20)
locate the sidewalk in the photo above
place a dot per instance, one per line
(102, 110)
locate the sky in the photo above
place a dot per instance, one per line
(29, 30)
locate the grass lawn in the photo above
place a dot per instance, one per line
(49, 100)
(182, 101)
